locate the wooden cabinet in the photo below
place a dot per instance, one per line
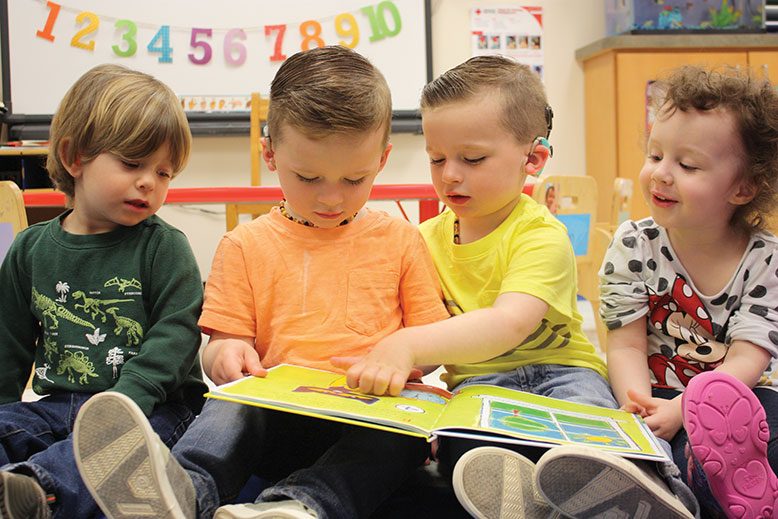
(617, 71)
(765, 61)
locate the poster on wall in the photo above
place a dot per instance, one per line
(512, 31)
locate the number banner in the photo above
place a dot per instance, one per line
(310, 31)
(216, 50)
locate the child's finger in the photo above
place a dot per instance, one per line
(640, 399)
(353, 374)
(344, 363)
(367, 380)
(397, 384)
(252, 364)
(381, 383)
(632, 407)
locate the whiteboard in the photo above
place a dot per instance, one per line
(43, 52)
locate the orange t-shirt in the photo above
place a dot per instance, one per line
(308, 294)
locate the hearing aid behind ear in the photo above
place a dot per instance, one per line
(549, 120)
(543, 142)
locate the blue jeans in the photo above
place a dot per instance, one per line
(581, 385)
(769, 400)
(338, 470)
(36, 440)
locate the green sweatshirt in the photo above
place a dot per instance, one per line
(106, 311)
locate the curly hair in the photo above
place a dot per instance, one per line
(753, 103)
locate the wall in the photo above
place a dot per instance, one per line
(568, 25)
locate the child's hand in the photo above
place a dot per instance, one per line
(662, 416)
(234, 359)
(632, 407)
(384, 370)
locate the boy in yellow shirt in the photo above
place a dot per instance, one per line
(508, 275)
(320, 275)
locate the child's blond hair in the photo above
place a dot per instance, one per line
(753, 103)
(526, 113)
(112, 109)
(329, 90)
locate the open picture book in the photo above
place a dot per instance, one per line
(477, 411)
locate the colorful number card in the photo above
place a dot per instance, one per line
(200, 47)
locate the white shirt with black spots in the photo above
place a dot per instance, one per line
(688, 332)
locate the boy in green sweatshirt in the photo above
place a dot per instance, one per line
(105, 297)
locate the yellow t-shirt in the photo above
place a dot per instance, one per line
(530, 253)
(308, 294)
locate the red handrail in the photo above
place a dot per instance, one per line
(232, 195)
(424, 193)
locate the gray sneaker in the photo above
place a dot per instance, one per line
(125, 465)
(495, 483)
(585, 482)
(21, 497)
(289, 509)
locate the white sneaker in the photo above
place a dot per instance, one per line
(495, 483)
(126, 467)
(21, 497)
(290, 509)
(585, 482)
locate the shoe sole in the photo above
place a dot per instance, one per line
(584, 482)
(728, 436)
(25, 503)
(495, 483)
(114, 447)
(246, 512)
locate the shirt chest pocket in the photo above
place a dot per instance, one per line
(372, 300)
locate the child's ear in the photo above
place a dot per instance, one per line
(746, 191)
(385, 156)
(268, 154)
(74, 167)
(537, 158)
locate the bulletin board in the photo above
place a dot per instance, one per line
(203, 47)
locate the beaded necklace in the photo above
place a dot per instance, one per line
(456, 231)
(285, 213)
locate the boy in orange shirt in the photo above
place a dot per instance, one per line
(320, 276)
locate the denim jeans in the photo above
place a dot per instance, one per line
(338, 470)
(769, 400)
(574, 384)
(36, 440)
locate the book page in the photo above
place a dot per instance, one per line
(520, 417)
(324, 394)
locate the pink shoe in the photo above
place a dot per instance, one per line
(728, 436)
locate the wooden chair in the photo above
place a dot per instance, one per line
(13, 217)
(259, 106)
(621, 203)
(576, 206)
